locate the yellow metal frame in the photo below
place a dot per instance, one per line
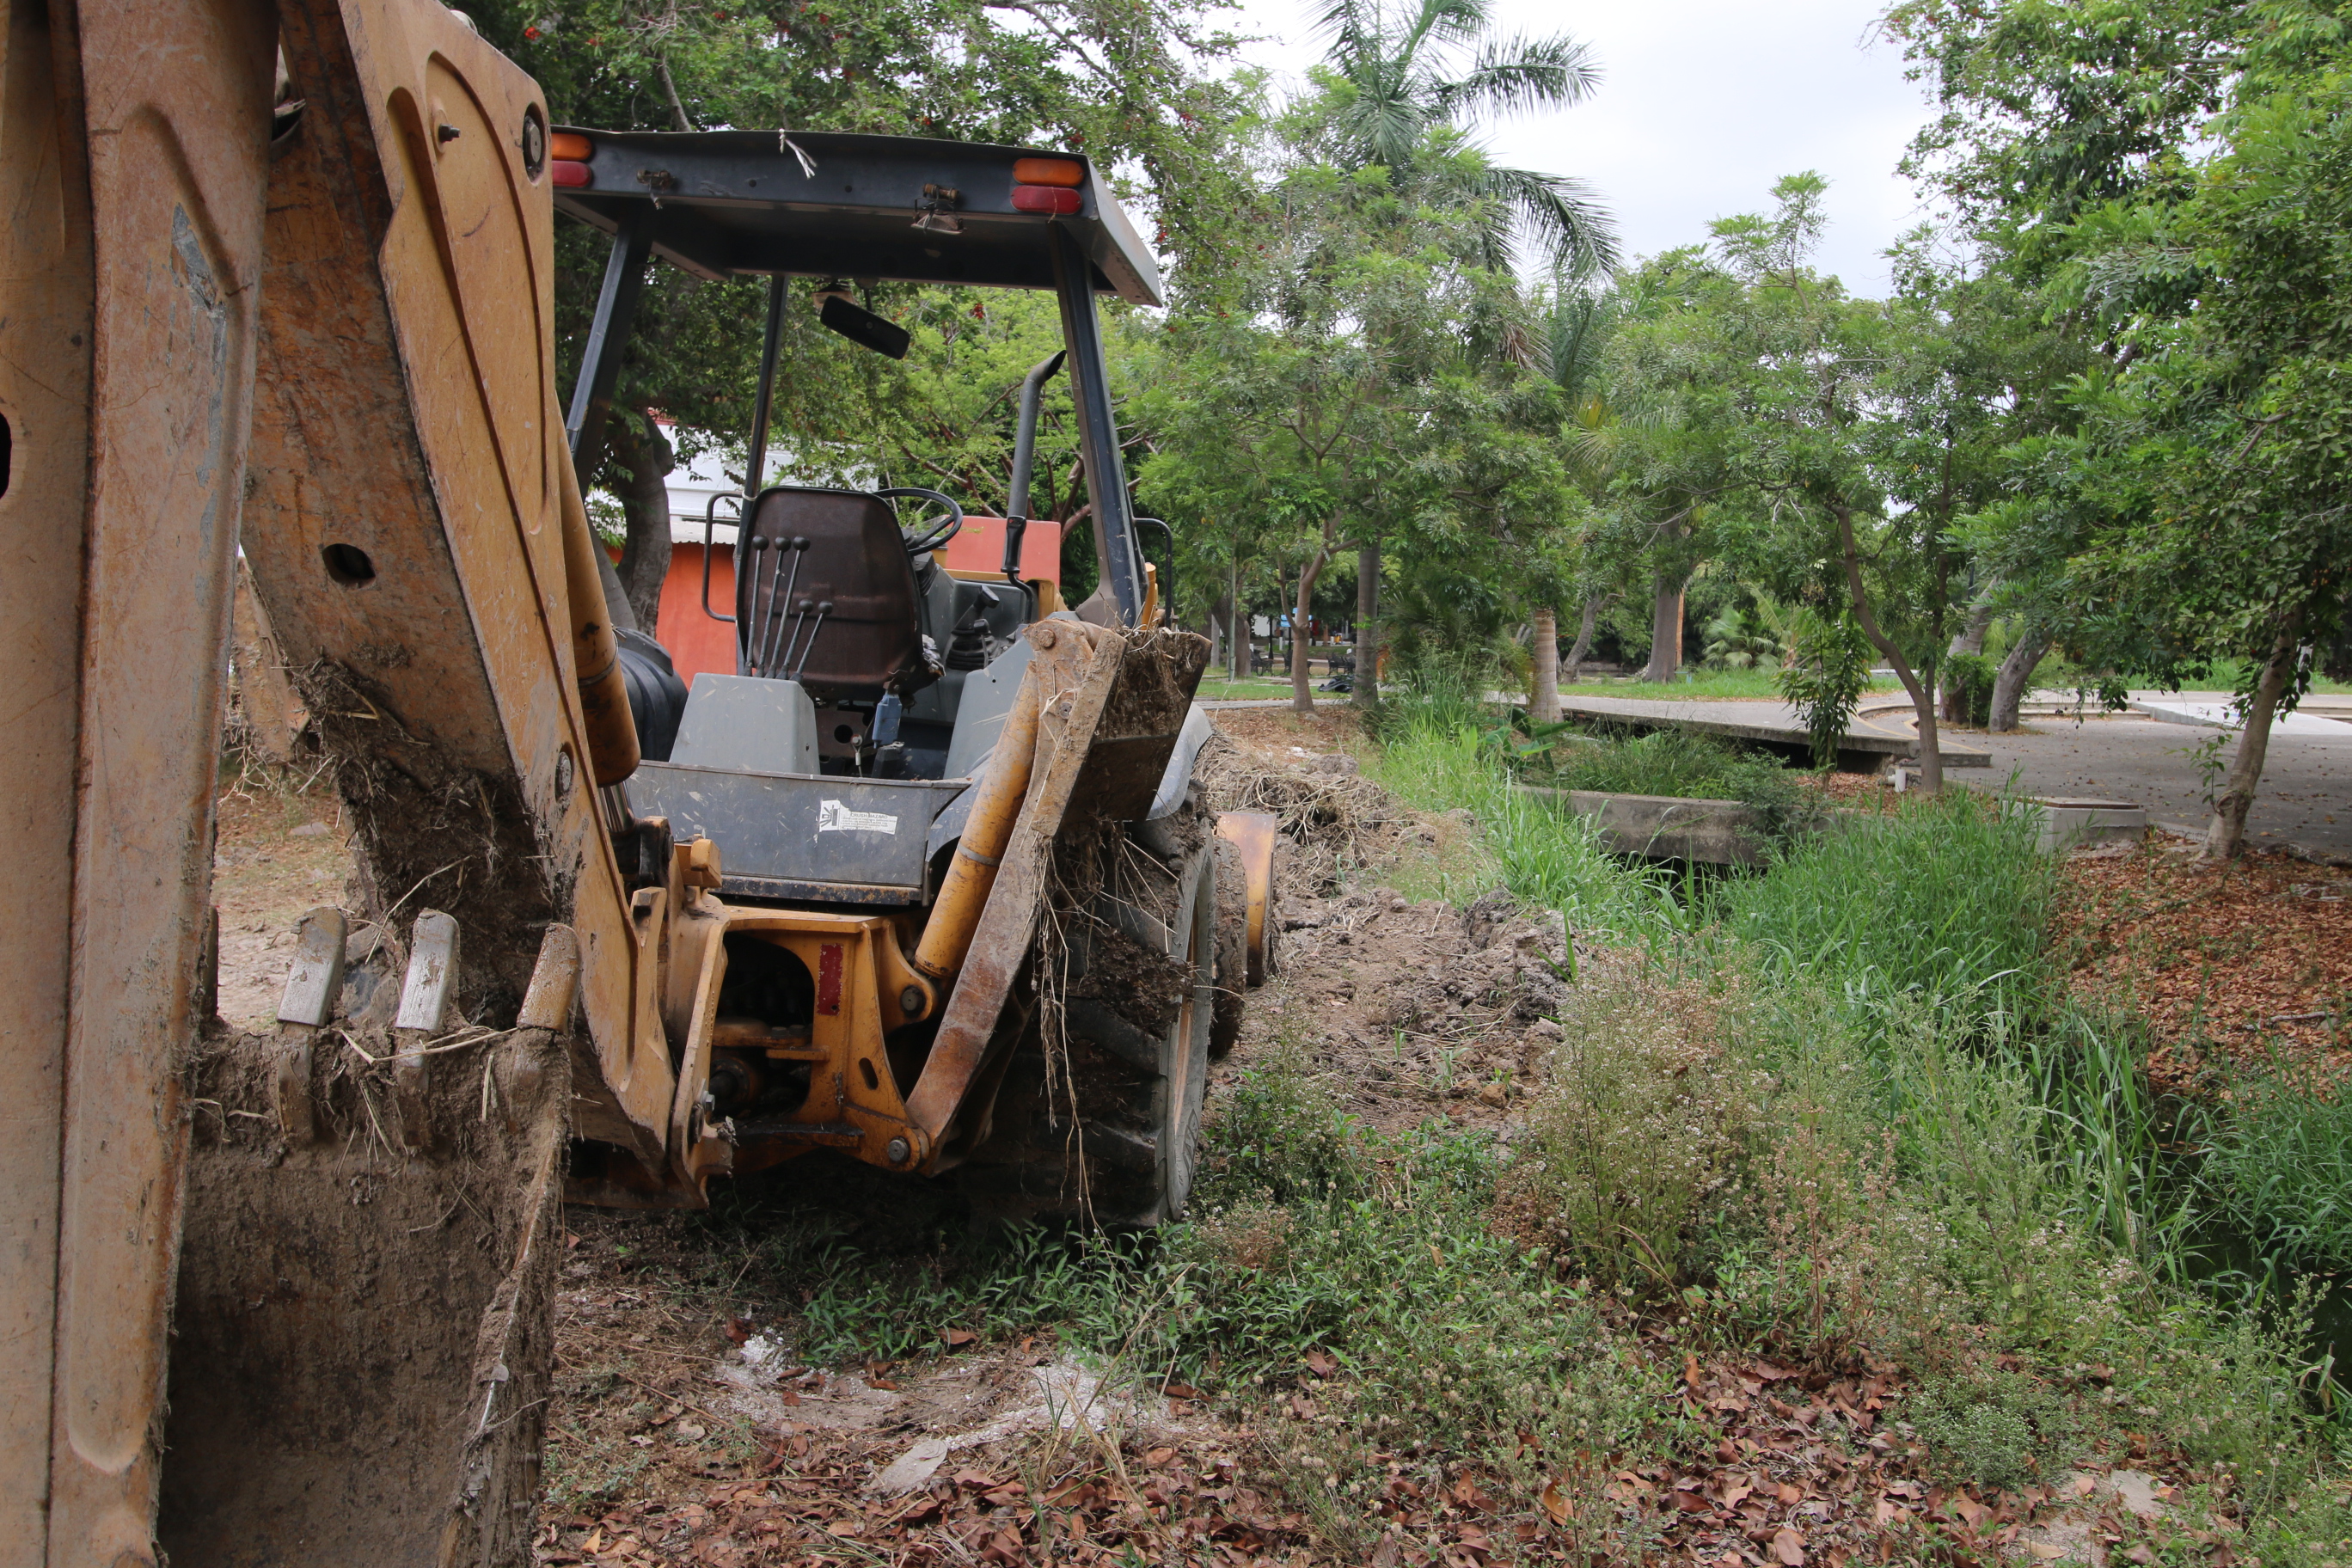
(863, 979)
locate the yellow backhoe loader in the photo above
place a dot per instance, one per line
(923, 883)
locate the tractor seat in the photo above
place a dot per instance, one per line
(856, 562)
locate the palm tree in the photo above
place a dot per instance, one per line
(1396, 75)
(1398, 78)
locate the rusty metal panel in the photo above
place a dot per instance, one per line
(127, 266)
(45, 367)
(1074, 668)
(405, 424)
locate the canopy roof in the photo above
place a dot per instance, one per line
(737, 203)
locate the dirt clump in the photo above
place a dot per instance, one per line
(1417, 1009)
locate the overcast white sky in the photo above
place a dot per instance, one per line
(1703, 104)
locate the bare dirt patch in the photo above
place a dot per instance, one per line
(687, 1430)
(1865, 792)
(2232, 963)
(279, 854)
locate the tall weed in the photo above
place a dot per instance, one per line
(2279, 1168)
(1939, 905)
(1633, 1131)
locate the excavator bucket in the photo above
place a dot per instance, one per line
(361, 1356)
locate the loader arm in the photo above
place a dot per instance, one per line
(415, 530)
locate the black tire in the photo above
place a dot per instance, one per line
(1131, 1058)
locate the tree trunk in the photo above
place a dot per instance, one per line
(1968, 639)
(1302, 692)
(2226, 839)
(1368, 625)
(1923, 702)
(645, 460)
(2008, 681)
(1237, 652)
(1545, 709)
(1584, 636)
(1667, 629)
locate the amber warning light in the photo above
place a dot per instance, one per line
(568, 154)
(1047, 184)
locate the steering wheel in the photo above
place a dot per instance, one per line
(938, 535)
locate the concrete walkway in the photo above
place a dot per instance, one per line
(2306, 798)
(1874, 736)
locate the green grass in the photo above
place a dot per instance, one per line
(1695, 682)
(1938, 906)
(1543, 853)
(2056, 672)
(1215, 688)
(2279, 1168)
(1685, 765)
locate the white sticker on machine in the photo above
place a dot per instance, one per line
(832, 817)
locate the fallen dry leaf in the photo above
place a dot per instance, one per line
(1789, 1547)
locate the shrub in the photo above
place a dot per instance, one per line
(1995, 1430)
(1971, 675)
(1827, 673)
(1634, 1129)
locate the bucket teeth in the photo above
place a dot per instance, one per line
(312, 988)
(428, 996)
(316, 980)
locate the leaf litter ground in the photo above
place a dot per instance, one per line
(1416, 1009)
(2240, 963)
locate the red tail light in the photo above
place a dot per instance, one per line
(579, 176)
(1025, 198)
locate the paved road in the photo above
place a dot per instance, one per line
(2307, 790)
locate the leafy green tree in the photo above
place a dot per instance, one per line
(2233, 422)
(1821, 444)
(2165, 176)
(2052, 107)
(1658, 433)
(1400, 88)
